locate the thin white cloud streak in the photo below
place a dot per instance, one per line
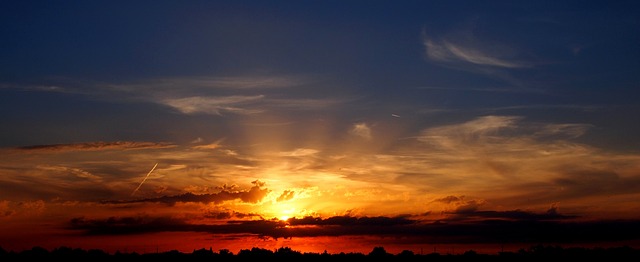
(300, 152)
(478, 57)
(570, 130)
(207, 146)
(241, 95)
(166, 87)
(214, 145)
(245, 105)
(306, 103)
(584, 108)
(481, 89)
(97, 146)
(456, 137)
(464, 51)
(77, 172)
(445, 51)
(500, 135)
(203, 83)
(213, 105)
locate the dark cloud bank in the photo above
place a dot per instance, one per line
(478, 227)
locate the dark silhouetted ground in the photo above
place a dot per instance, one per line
(534, 253)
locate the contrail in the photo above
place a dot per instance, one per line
(145, 179)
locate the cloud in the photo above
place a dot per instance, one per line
(232, 214)
(208, 146)
(169, 86)
(461, 204)
(214, 145)
(9, 209)
(352, 221)
(458, 136)
(215, 95)
(519, 215)
(75, 172)
(466, 51)
(127, 225)
(361, 130)
(509, 162)
(254, 195)
(305, 103)
(470, 53)
(5, 210)
(214, 105)
(96, 146)
(286, 195)
(575, 182)
(469, 206)
(570, 130)
(300, 152)
(244, 105)
(149, 224)
(581, 108)
(521, 227)
(501, 134)
(209, 83)
(449, 199)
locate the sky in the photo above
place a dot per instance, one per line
(319, 125)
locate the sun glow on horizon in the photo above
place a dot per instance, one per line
(284, 211)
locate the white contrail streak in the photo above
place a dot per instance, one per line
(145, 179)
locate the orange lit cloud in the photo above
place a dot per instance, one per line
(286, 195)
(254, 195)
(361, 130)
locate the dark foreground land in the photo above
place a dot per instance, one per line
(534, 253)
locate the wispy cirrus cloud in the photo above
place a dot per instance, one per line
(95, 146)
(215, 95)
(246, 105)
(165, 86)
(574, 107)
(299, 152)
(75, 172)
(468, 52)
(471, 52)
(445, 51)
(215, 105)
(505, 131)
(201, 84)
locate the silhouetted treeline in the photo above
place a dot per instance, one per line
(534, 253)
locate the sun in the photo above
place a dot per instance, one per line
(284, 211)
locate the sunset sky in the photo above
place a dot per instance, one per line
(319, 125)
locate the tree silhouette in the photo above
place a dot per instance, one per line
(378, 252)
(534, 253)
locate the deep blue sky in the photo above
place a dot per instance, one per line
(572, 61)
